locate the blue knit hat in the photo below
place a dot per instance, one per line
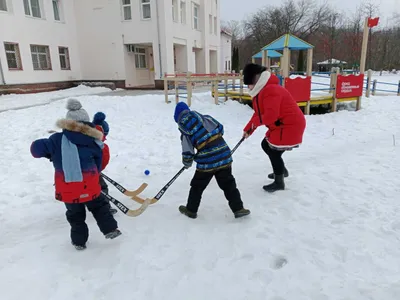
(99, 119)
(180, 107)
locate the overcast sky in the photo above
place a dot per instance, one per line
(239, 9)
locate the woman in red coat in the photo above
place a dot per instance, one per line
(275, 108)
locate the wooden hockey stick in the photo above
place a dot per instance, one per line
(126, 210)
(133, 194)
(165, 188)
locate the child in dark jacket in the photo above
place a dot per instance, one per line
(76, 154)
(99, 120)
(213, 157)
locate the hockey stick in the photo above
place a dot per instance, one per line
(132, 194)
(165, 188)
(237, 145)
(126, 210)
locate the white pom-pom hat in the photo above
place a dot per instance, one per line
(76, 112)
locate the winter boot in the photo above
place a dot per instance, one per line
(187, 213)
(241, 213)
(79, 247)
(277, 185)
(113, 234)
(272, 175)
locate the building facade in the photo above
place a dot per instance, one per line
(226, 52)
(130, 42)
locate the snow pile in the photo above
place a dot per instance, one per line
(333, 234)
(16, 101)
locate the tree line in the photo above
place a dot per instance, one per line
(333, 34)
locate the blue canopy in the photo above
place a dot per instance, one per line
(288, 41)
(270, 53)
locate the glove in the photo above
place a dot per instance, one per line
(187, 164)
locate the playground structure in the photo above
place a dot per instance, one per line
(187, 81)
(343, 87)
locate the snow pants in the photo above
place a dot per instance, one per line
(225, 181)
(76, 216)
(275, 156)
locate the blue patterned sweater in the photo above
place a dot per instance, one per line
(203, 133)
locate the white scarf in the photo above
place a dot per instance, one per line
(262, 81)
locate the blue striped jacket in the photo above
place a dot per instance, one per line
(203, 133)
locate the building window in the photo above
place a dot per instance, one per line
(32, 8)
(183, 12)
(3, 5)
(41, 57)
(215, 25)
(140, 58)
(127, 9)
(210, 25)
(146, 9)
(229, 65)
(64, 58)
(13, 56)
(56, 10)
(196, 9)
(174, 14)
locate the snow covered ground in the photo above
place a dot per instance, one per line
(332, 235)
(16, 101)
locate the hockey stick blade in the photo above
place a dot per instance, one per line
(133, 194)
(126, 210)
(165, 188)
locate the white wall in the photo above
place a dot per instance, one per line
(100, 39)
(96, 35)
(26, 30)
(226, 52)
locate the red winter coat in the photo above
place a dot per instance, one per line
(275, 108)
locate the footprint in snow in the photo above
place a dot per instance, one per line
(279, 262)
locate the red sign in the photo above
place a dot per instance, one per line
(349, 86)
(299, 88)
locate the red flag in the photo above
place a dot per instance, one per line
(373, 22)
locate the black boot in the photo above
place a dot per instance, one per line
(241, 213)
(285, 172)
(187, 212)
(277, 185)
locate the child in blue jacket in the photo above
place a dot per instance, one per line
(213, 158)
(76, 154)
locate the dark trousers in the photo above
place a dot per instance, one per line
(76, 216)
(225, 181)
(275, 156)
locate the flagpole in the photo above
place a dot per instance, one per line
(364, 47)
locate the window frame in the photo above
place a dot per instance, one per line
(48, 57)
(195, 18)
(17, 54)
(67, 58)
(210, 23)
(144, 3)
(125, 6)
(59, 8)
(138, 54)
(30, 12)
(5, 2)
(182, 8)
(175, 16)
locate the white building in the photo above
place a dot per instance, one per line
(61, 41)
(226, 51)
